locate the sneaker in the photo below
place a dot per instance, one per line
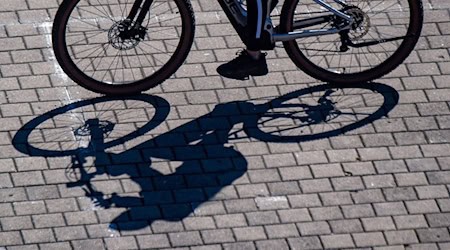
(244, 66)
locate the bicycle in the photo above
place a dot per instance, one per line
(129, 46)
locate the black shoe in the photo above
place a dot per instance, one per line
(244, 66)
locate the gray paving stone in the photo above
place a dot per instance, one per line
(305, 243)
(337, 241)
(121, 243)
(70, 233)
(48, 220)
(433, 235)
(56, 245)
(249, 233)
(272, 244)
(199, 223)
(16, 223)
(326, 213)
(378, 223)
(153, 241)
(262, 218)
(185, 239)
(88, 244)
(38, 236)
(10, 238)
(336, 198)
(239, 245)
(304, 200)
(217, 236)
(230, 220)
(390, 208)
(369, 239)
(313, 228)
(281, 231)
(410, 221)
(358, 211)
(346, 226)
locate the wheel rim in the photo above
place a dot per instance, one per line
(96, 49)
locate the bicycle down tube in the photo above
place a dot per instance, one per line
(238, 18)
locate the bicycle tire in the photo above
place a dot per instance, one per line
(162, 70)
(289, 118)
(367, 73)
(52, 134)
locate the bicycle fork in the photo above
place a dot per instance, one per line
(139, 11)
(131, 28)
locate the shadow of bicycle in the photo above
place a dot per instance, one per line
(168, 174)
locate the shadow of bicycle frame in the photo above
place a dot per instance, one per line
(207, 163)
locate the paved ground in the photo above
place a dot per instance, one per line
(384, 184)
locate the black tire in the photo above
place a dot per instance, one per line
(321, 111)
(317, 62)
(98, 31)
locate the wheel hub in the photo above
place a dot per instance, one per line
(125, 35)
(361, 24)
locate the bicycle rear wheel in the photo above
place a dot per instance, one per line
(95, 46)
(384, 34)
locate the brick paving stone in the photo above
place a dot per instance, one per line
(38, 236)
(217, 236)
(369, 239)
(153, 241)
(281, 231)
(88, 244)
(337, 241)
(305, 243)
(56, 245)
(378, 223)
(401, 237)
(389, 208)
(410, 221)
(230, 220)
(185, 239)
(313, 228)
(121, 243)
(70, 233)
(10, 238)
(249, 233)
(346, 226)
(433, 235)
(272, 244)
(48, 220)
(358, 211)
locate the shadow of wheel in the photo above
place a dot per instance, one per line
(54, 134)
(321, 111)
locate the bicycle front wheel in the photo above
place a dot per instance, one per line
(381, 38)
(98, 47)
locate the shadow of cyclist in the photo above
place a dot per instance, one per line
(208, 164)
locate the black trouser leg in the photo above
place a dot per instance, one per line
(257, 13)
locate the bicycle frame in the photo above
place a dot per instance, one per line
(238, 18)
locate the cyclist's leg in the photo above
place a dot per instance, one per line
(250, 62)
(256, 17)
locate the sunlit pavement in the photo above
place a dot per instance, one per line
(180, 183)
